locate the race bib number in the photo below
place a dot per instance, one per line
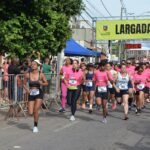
(102, 89)
(34, 92)
(123, 86)
(140, 86)
(72, 82)
(89, 84)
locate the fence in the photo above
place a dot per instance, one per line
(14, 98)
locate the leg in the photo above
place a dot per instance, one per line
(125, 98)
(91, 96)
(98, 101)
(37, 106)
(112, 97)
(141, 99)
(84, 95)
(69, 95)
(74, 98)
(130, 96)
(104, 105)
(31, 107)
(63, 95)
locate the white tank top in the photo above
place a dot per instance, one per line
(122, 82)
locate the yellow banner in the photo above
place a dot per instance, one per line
(122, 29)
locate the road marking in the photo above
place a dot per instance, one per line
(17, 147)
(66, 126)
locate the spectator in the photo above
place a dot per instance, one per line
(13, 70)
(47, 71)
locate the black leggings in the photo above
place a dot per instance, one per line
(72, 97)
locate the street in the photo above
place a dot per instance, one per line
(86, 133)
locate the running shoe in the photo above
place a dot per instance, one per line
(144, 107)
(136, 111)
(139, 110)
(90, 111)
(35, 130)
(104, 121)
(147, 100)
(62, 110)
(72, 118)
(125, 118)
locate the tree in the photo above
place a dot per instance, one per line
(36, 25)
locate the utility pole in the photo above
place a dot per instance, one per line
(120, 43)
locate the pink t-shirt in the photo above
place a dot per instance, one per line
(101, 78)
(147, 74)
(142, 79)
(66, 69)
(74, 78)
(131, 70)
(111, 74)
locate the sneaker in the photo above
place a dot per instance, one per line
(147, 100)
(104, 121)
(72, 118)
(114, 106)
(90, 111)
(125, 118)
(130, 108)
(136, 111)
(143, 107)
(62, 110)
(140, 111)
(35, 130)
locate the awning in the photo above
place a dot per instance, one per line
(75, 49)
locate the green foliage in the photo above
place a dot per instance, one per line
(36, 25)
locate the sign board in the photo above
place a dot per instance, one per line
(123, 29)
(133, 46)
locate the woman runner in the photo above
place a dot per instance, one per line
(89, 90)
(73, 80)
(122, 87)
(140, 83)
(36, 80)
(101, 80)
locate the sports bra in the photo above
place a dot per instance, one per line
(34, 83)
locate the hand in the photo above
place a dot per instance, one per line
(41, 83)
(134, 90)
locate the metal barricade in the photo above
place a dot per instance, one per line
(52, 92)
(8, 93)
(14, 98)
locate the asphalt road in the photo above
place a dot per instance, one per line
(86, 133)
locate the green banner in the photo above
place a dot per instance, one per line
(122, 29)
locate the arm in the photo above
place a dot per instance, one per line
(44, 80)
(26, 77)
(110, 78)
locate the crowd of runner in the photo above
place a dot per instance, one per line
(126, 84)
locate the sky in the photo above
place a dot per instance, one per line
(96, 9)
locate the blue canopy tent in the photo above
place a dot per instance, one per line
(95, 54)
(75, 49)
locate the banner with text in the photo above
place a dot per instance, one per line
(123, 29)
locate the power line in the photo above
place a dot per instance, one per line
(89, 10)
(86, 21)
(95, 8)
(105, 8)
